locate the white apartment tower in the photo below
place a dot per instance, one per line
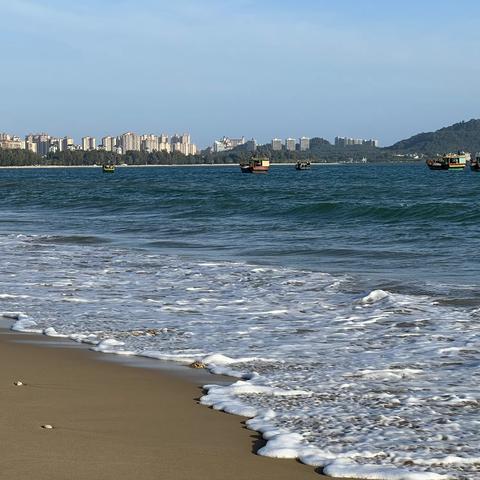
(290, 144)
(109, 143)
(149, 143)
(277, 144)
(89, 143)
(129, 142)
(304, 144)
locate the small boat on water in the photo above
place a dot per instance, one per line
(108, 168)
(449, 161)
(303, 165)
(256, 165)
(475, 164)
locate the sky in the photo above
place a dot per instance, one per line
(383, 69)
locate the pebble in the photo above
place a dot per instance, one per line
(18, 383)
(197, 365)
(47, 427)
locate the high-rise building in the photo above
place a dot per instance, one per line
(109, 143)
(68, 144)
(277, 144)
(175, 139)
(304, 144)
(89, 143)
(186, 139)
(251, 145)
(31, 146)
(347, 141)
(182, 144)
(129, 142)
(55, 145)
(164, 143)
(290, 144)
(41, 141)
(219, 146)
(149, 143)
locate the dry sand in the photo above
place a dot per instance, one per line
(117, 422)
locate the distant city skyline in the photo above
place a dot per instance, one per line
(44, 143)
(377, 69)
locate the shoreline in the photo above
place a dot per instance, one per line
(98, 407)
(235, 165)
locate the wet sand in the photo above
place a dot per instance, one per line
(113, 421)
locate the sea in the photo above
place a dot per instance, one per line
(343, 301)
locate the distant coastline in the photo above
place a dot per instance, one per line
(195, 165)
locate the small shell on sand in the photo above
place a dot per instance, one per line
(18, 383)
(197, 365)
(48, 427)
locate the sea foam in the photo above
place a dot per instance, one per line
(363, 386)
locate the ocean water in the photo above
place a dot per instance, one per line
(344, 299)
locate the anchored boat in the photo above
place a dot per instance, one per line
(475, 164)
(108, 168)
(303, 165)
(449, 161)
(256, 165)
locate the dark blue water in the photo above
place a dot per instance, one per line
(400, 227)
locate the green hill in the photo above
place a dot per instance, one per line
(461, 136)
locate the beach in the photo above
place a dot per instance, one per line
(112, 421)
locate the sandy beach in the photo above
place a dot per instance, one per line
(113, 421)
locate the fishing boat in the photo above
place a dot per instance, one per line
(475, 164)
(303, 165)
(449, 161)
(256, 165)
(108, 168)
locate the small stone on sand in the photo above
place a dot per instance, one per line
(197, 365)
(47, 427)
(18, 383)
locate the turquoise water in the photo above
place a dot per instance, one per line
(343, 298)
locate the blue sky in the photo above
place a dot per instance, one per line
(370, 68)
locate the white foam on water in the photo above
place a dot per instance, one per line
(51, 332)
(23, 323)
(8, 296)
(110, 345)
(378, 385)
(375, 296)
(342, 469)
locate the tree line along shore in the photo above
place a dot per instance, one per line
(325, 154)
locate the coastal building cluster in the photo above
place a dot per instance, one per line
(347, 141)
(43, 143)
(290, 144)
(226, 144)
